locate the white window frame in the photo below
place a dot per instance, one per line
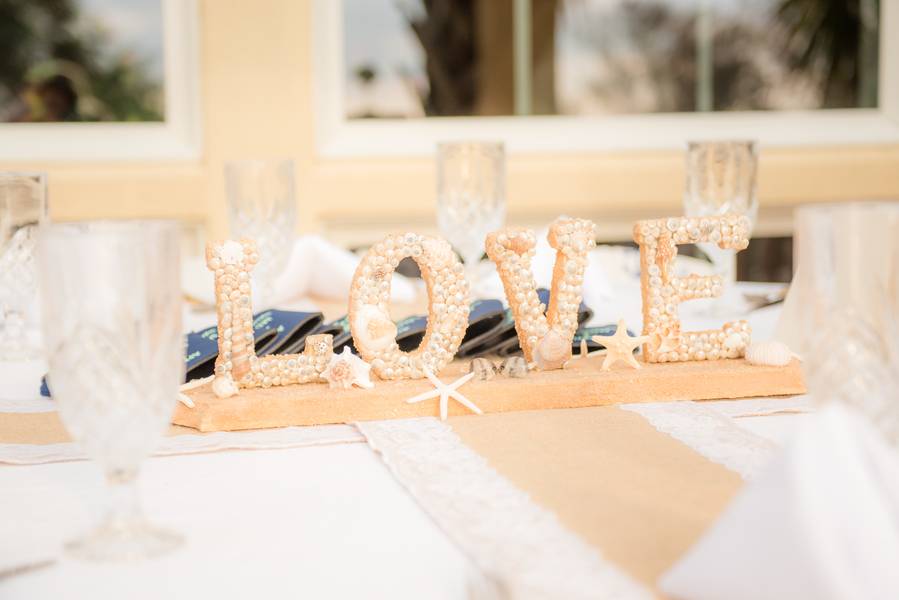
(340, 137)
(178, 137)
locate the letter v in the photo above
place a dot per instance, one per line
(545, 339)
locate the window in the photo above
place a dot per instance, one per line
(99, 80)
(393, 77)
(81, 60)
(417, 58)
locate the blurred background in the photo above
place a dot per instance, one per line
(268, 79)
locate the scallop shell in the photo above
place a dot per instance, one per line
(771, 353)
(346, 370)
(552, 351)
(223, 386)
(374, 330)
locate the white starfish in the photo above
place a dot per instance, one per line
(584, 349)
(445, 392)
(620, 346)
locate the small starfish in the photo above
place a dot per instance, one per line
(445, 392)
(583, 354)
(620, 346)
(184, 398)
(584, 351)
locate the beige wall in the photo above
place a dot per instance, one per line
(257, 102)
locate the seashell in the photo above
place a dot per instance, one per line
(733, 342)
(374, 329)
(483, 369)
(346, 370)
(231, 252)
(514, 366)
(223, 386)
(552, 351)
(772, 353)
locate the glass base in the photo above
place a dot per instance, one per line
(135, 541)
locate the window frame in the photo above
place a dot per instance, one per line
(177, 137)
(340, 137)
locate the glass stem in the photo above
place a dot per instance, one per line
(727, 268)
(124, 507)
(12, 330)
(471, 274)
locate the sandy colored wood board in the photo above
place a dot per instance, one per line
(582, 384)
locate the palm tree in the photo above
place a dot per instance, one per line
(835, 41)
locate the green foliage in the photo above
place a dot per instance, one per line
(827, 38)
(39, 39)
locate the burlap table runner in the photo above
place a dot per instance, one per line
(46, 428)
(639, 496)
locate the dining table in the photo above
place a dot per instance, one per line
(360, 511)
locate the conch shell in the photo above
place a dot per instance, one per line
(552, 351)
(374, 329)
(346, 370)
(771, 353)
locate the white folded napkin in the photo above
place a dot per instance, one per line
(316, 267)
(821, 522)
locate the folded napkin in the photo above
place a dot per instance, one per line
(822, 522)
(316, 267)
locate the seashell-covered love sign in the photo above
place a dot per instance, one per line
(249, 391)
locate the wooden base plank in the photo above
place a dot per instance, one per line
(581, 384)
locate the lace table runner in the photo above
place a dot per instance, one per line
(593, 502)
(521, 548)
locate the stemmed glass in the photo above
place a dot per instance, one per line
(471, 197)
(112, 329)
(721, 179)
(23, 206)
(842, 312)
(262, 206)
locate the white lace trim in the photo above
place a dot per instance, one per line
(261, 439)
(709, 433)
(521, 548)
(761, 407)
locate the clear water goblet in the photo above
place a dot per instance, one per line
(471, 198)
(721, 179)
(842, 311)
(262, 206)
(23, 206)
(111, 302)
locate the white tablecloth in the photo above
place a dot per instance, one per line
(315, 522)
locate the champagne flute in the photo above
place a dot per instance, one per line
(23, 206)
(112, 329)
(262, 206)
(721, 179)
(471, 198)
